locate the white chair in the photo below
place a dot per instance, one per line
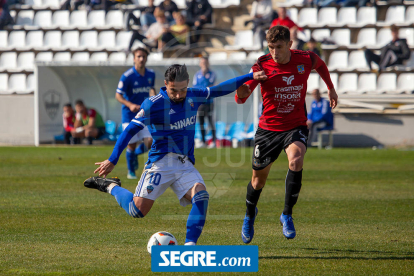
(34, 39)
(405, 83)
(244, 40)
(366, 37)
(117, 57)
(410, 62)
(366, 16)
(237, 56)
(348, 83)
(30, 84)
(17, 39)
(386, 83)
(60, 19)
(96, 19)
(25, 61)
(407, 33)
(327, 16)
(17, 83)
(338, 60)
(321, 34)
(357, 61)
(122, 40)
(8, 61)
(346, 16)
(52, 40)
(44, 57)
(394, 15)
(88, 40)
(78, 19)
(307, 16)
(3, 39)
(115, 19)
(106, 39)
(25, 18)
(383, 37)
(255, 55)
(367, 83)
(80, 57)
(313, 82)
(4, 83)
(130, 59)
(220, 56)
(99, 57)
(322, 84)
(342, 37)
(52, 4)
(70, 39)
(62, 57)
(43, 19)
(409, 15)
(305, 35)
(293, 14)
(155, 56)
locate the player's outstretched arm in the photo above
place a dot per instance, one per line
(107, 166)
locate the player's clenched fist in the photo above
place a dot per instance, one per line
(104, 168)
(260, 76)
(333, 98)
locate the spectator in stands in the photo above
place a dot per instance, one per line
(198, 13)
(88, 124)
(169, 7)
(297, 43)
(154, 33)
(284, 20)
(202, 79)
(69, 123)
(313, 46)
(261, 14)
(146, 18)
(109, 3)
(394, 53)
(176, 34)
(5, 17)
(320, 117)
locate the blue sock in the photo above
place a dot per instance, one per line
(197, 216)
(141, 149)
(126, 201)
(130, 157)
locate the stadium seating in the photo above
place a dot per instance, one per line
(78, 19)
(17, 83)
(218, 56)
(17, 39)
(34, 40)
(345, 17)
(62, 57)
(106, 39)
(44, 57)
(405, 83)
(367, 83)
(3, 39)
(25, 18)
(313, 82)
(52, 40)
(307, 16)
(357, 61)
(8, 61)
(80, 57)
(60, 19)
(367, 37)
(237, 56)
(70, 39)
(409, 16)
(4, 79)
(117, 57)
(43, 19)
(394, 15)
(99, 57)
(327, 16)
(25, 61)
(114, 19)
(386, 83)
(338, 60)
(321, 34)
(245, 40)
(383, 37)
(365, 16)
(348, 83)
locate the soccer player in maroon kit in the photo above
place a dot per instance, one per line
(283, 123)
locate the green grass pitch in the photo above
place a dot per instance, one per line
(355, 214)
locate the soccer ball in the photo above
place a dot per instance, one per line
(161, 238)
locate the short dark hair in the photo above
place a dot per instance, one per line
(80, 102)
(176, 72)
(394, 28)
(140, 49)
(68, 105)
(312, 40)
(278, 33)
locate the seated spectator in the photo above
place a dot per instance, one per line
(88, 124)
(89, 4)
(5, 17)
(313, 46)
(297, 44)
(146, 18)
(394, 53)
(320, 117)
(261, 14)
(284, 20)
(154, 33)
(198, 13)
(169, 8)
(69, 123)
(176, 34)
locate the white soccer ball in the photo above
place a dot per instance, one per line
(161, 238)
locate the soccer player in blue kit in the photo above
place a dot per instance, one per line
(170, 117)
(135, 85)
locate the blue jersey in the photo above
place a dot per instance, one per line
(321, 112)
(134, 88)
(204, 80)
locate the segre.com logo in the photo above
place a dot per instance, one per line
(205, 258)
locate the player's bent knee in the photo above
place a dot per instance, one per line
(296, 164)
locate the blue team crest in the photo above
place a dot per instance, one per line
(150, 189)
(190, 101)
(301, 69)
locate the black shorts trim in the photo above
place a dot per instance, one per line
(269, 144)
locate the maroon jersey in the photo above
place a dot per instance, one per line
(284, 91)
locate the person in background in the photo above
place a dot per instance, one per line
(169, 7)
(261, 15)
(146, 18)
(5, 17)
(297, 43)
(69, 123)
(320, 117)
(312, 45)
(284, 20)
(176, 34)
(198, 13)
(88, 124)
(202, 79)
(394, 53)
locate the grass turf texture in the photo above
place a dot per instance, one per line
(355, 213)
